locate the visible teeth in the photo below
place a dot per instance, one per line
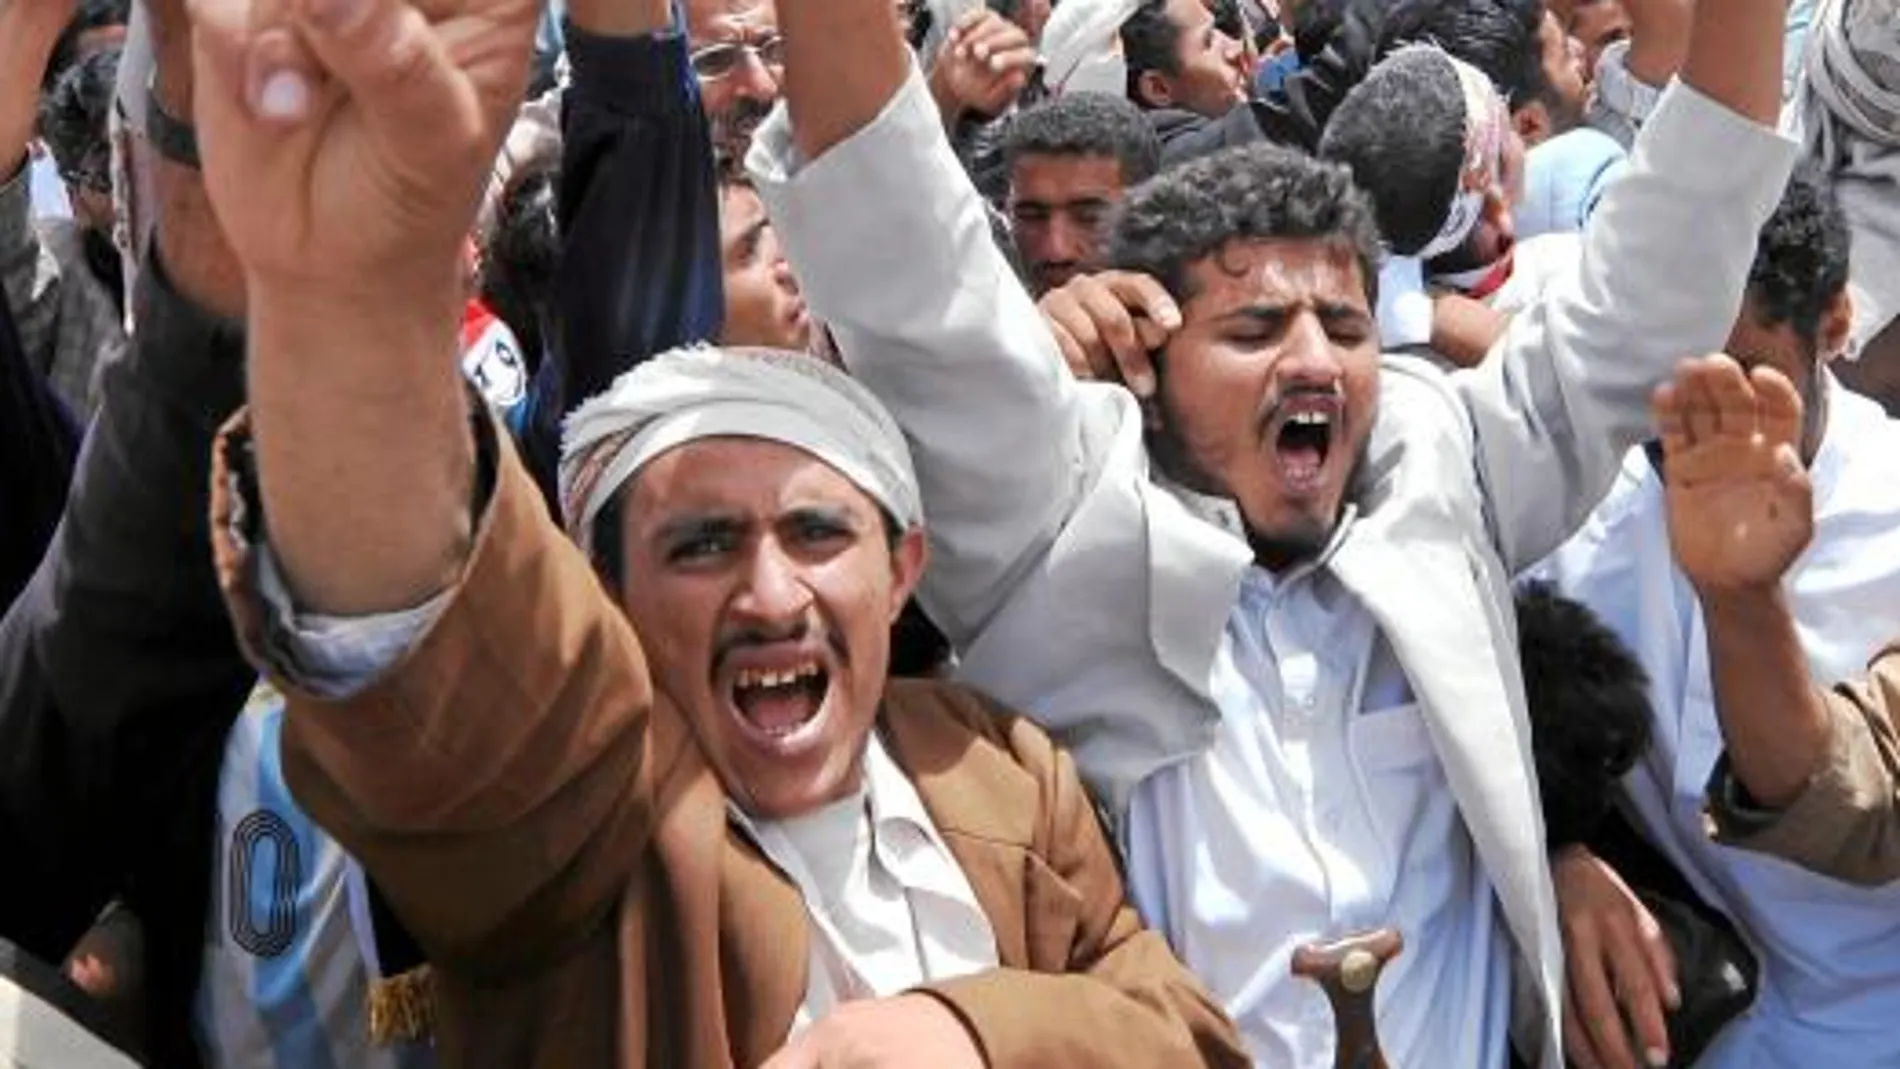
(1311, 419)
(755, 679)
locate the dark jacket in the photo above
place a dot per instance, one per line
(37, 449)
(119, 676)
(640, 268)
(1296, 114)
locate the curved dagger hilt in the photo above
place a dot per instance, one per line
(1349, 971)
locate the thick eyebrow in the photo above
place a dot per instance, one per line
(828, 515)
(1272, 315)
(690, 528)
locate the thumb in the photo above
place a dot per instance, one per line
(388, 60)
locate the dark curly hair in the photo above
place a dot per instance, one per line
(1801, 257)
(1250, 193)
(519, 254)
(1502, 38)
(1087, 124)
(74, 118)
(1410, 108)
(1151, 41)
(1589, 710)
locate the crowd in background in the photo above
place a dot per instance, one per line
(841, 533)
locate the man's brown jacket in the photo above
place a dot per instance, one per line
(543, 823)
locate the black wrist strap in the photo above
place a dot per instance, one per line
(172, 138)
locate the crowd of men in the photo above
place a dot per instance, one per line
(840, 533)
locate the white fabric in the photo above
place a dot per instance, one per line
(688, 394)
(1088, 596)
(1405, 305)
(1082, 47)
(1847, 112)
(1830, 952)
(1538, 265)
(1320, 791)
(889, 905)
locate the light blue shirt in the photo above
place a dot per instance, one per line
(1564, 178)
(1829, 952)
(1321, 810)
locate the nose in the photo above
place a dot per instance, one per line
(755, 80)
(772, 592)
(1069, 241)
(1306, 358)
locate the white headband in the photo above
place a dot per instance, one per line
(1486, 121)
(689, 394)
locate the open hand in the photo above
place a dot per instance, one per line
(346, 142)
(886, 1033)
(1741, 507)
(1107, 325)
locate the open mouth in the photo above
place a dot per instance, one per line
(779, 703)
(1304, 441)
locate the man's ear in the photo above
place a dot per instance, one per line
(1532, 123)
(1152, 89)
(909, 557)
(1837, 325)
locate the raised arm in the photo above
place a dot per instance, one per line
(118, 674)
(1664, 266)
(894, 252)
(1807, 774)
(479, 738)
(28, 31)
(640, 270)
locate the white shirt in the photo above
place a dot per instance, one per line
(1321, 810)
(890, 908)
(1830, 953)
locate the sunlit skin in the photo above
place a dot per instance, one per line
(1273, 331)
(1057, 207)
(752, 85)
(1569, 74)
(763, 305)
(746, 556)
(1211, 75)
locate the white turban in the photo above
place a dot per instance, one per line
(688, 394)
(1847, 112)
(1082, 46)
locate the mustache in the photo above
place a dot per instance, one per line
(756, 636)
(733, 127)
(1276, 402)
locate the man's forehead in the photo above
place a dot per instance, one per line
(1280, 269)
(1064, 172)
(716, 20)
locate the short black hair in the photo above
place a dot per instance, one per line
(1151, 41)
(1402, 133)
(1590, 714)
(1086, 124)
(1314, 24)
(88, 16)
(1502, 38)
(520, 251)
(1801, 256)
(74, 120)
(1257, 192)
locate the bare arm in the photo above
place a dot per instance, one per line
(1774, 723)
(844, 60)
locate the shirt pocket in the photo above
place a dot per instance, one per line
(1401, 787)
